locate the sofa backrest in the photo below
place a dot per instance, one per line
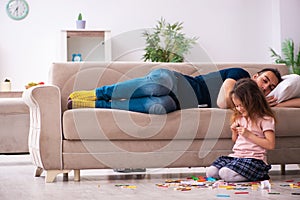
(72, 76)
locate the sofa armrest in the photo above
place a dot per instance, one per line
(45, 133)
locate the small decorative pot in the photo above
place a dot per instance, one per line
(80, 24)
(6, 86)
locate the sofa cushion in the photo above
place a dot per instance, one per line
(286, 125)
(112, 124)
(198, 123)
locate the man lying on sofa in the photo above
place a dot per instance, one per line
(164, 91)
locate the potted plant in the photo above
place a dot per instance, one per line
(290, 59)
(80, 24)
(167, 43)
(6, 85)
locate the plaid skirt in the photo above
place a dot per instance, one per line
(250, 168)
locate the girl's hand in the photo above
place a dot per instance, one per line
(233, 127)
(234, 131)
(243, 131)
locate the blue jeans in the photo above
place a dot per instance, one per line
(149, 94)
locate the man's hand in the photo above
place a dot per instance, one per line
(272, 101)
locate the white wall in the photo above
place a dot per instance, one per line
(228, 30)
(290, 25)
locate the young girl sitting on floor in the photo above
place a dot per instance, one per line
(253, 125)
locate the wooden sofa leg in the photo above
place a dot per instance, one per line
(38, 171)
(76, 175)
(51, 174)
(65, 176)
(282, 168)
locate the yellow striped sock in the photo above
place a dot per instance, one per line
(78, 103)
(89, 95)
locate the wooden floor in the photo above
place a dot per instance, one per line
(18, 182)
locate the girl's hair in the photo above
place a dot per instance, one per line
(252, 98)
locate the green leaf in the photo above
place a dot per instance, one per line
(288, 58)
(166, 43)
(298, 58)
(288, 52)
(79, 17)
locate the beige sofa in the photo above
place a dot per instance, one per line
(14, 123)
(62, 140)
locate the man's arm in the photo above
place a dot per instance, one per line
(295, 103)
(224, 100)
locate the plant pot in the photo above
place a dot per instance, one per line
(6, 86)
(80, 24)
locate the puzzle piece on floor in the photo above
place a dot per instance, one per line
(126, 186)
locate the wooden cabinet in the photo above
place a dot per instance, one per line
(92, 45)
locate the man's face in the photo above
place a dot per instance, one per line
(266, 81)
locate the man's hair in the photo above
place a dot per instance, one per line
(275, 71)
